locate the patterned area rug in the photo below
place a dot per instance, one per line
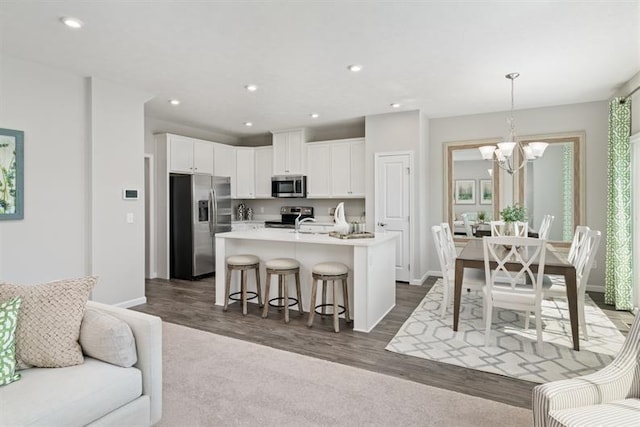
(512, 350)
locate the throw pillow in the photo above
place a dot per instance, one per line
(8, 323)
(49, 321)
(107, 338)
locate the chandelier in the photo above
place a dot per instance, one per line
(504, 152)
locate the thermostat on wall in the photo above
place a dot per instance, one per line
(130, 194)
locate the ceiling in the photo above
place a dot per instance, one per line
(444, 58)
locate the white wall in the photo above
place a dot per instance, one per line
(49, 105)
(589, 117)
(117, 163)
(404, 131)
(84, 141)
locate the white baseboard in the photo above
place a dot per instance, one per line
(132, 302)
(595, 288)
(435, 273)
(420, 281)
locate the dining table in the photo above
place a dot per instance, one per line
(472, 256)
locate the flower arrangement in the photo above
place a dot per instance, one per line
(514, 213)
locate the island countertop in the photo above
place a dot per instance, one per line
(287, 235)
(371, 263)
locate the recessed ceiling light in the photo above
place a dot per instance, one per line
(355, 68)
(251, 88)
(72, 22)
(314, 115)
(174, 101)
(395, 105)
(248, 124)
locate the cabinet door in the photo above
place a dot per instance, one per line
(245, 173)
(357, 169)
(202, 157)
(296, 153)
(181, 155)
(280, 154)
(264, 171)
(340, 169)
(318, 170)
(225, 164)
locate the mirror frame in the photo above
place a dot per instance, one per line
(449, 148)
(579, 177)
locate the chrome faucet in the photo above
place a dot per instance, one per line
(299, 221)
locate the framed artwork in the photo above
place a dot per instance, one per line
(11, 174)
(465, 192)
(486, 192)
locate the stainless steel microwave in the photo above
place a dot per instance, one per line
(289, 186)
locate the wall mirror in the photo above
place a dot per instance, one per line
(554, 184)
(472, 187)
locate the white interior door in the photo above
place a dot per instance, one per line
(393, 201)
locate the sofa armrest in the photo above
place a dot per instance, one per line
(147, 331)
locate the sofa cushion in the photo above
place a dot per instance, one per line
(619, 413)
(75, 395)
(49, 321)
(8, 323)
(107, 338)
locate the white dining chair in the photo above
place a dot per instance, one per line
(448, 235)
(473, 279)
(521, 229)
(545, 227)
(519, 290)
(585, 255)
(576, 242)
(467, 217)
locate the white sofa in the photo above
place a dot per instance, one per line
(94, 393)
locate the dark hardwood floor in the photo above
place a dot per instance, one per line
(191, 303)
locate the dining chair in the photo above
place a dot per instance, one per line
(576, 242)
(448, 235)
(545, 227)
(520, 289)
(472, 279)
(554, 287)
(467, 217)
(521, 229)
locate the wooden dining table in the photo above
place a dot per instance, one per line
(472, 256)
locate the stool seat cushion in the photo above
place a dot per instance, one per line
(330, 269)
(242, 260)
(282, 264)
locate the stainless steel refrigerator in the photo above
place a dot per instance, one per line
(200, 207)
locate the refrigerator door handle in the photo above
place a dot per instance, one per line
(213, 213)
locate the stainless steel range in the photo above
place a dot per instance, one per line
(288, 216)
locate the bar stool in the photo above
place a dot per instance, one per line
(282, 267)
(242, 263)
(326, 271)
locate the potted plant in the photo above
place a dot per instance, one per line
(511, 214)
(482, 217)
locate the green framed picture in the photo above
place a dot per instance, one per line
(11, 174)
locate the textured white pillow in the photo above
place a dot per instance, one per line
(107, 338)
(49, 321)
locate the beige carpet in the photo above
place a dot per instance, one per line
(212, 380)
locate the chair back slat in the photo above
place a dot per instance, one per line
(576, 242)
(545, 227)
(511, 250)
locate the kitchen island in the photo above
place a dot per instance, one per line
(371, 262)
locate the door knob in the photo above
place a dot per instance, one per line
(382, 224)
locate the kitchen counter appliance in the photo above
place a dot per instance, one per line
(200, 206)
(288, 216)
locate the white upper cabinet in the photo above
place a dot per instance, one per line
(347, 162)
(289, 152)
(264, 171)
(245, 173)
(225, 164)
(336, 169)
(318, 170)
(187, 155)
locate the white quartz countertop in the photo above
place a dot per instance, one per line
(288, 235)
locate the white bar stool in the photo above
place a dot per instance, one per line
(242, 263)
(282, 267)
(326, 271)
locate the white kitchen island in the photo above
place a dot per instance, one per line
(371, 262)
